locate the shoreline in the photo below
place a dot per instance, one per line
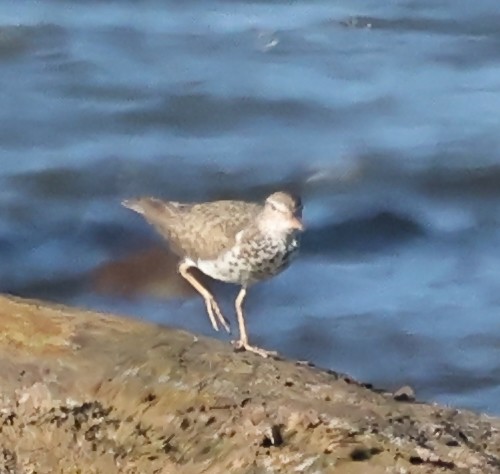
(95, 392)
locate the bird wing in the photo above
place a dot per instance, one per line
(198, 231)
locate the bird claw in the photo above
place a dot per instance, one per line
(244, 346)
(213, 307)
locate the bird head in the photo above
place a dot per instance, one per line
(282, 213)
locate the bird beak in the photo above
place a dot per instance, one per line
(296, 223)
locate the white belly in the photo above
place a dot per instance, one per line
(258, 263)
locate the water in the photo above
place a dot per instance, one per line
(384, 115)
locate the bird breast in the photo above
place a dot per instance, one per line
(250, 261)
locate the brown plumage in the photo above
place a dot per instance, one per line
(232, 241)
(180, 224)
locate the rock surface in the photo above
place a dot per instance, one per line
(93, 393)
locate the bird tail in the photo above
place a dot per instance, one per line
(157, 212)
(146, 205)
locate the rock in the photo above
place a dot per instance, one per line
(89, 392)
(404, 394)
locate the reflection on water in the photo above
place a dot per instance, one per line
(384, 116)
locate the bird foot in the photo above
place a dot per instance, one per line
(244, 346)
(213, 312)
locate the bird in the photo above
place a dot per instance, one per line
(233, 241)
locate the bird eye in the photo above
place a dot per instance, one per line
(272, 206)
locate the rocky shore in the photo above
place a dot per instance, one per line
(84, 392)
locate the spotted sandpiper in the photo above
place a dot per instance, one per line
(232, 241)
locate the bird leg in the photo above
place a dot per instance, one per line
(242, 343)
(213, 309)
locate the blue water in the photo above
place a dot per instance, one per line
(384, 115)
